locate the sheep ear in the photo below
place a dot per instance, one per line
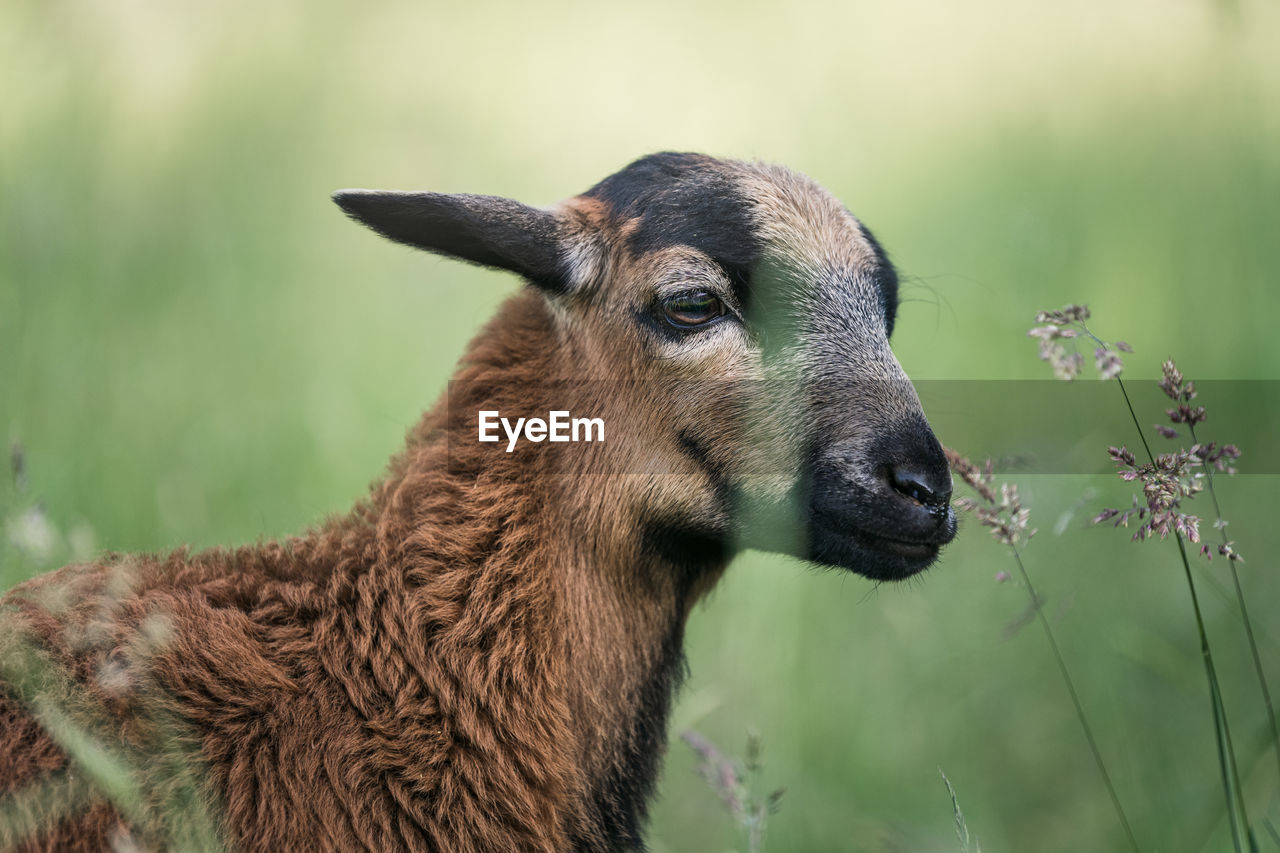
(485, 230)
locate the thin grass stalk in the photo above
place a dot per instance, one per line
(1244, 616)
(1067, 366)
(1075, 700)
(1271, 830)
(962, 827)
(1226, 753)
(1226, 750)
(1008, 520)
(1222, 591)
(1209, 814)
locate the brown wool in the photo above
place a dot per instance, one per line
(480, 655)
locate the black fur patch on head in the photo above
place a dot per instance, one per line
(886, 279)
(684, 200)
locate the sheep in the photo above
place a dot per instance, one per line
(481, 655)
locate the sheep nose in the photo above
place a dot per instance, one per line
(925, 486)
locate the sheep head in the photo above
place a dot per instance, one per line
(732, 320)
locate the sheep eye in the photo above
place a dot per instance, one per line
(697, 308)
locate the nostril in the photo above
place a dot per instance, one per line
(917, 486)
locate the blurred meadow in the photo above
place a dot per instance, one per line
(197, 348)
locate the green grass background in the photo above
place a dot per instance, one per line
(196, 347)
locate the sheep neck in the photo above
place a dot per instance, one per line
(554, 614)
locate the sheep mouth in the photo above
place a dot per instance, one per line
(873, 555)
